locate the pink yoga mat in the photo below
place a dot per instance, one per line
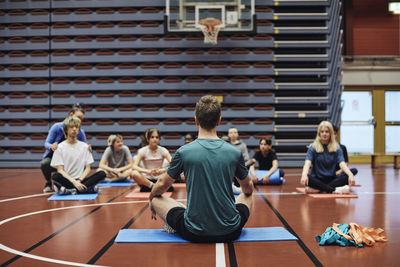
(179, 185)
(143, 195)
(325, 195)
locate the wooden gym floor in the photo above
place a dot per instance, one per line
(52, 233)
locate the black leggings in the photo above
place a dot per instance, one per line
(329, 184)
(47, 169)
(92, 180)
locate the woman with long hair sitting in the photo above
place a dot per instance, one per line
(322, 157)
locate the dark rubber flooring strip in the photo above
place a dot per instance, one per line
(303, 246)
(232, 255)
(111, 242)
(41, 242)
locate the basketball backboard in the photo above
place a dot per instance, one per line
(184, 15)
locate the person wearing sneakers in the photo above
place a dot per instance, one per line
(117, 160)
(209, 164)
(72, 161)
(322, 156)
(150, 161)
(54, 138)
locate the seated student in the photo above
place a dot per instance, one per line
(188, 138)
(54, 138)
(72, 160)
(267, 160)
(152, 156)
(209, 164)
(345, 155)
(322, 157)
(117, 160)
(233, 135)
(233, 139)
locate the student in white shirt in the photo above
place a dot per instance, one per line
(72, 160)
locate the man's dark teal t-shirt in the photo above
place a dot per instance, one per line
(209, 165)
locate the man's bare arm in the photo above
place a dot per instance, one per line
(161, 186)
(246, 185)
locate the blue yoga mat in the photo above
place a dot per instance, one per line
(274, 178)
(116, 184)
(160, 236)
(74, 197)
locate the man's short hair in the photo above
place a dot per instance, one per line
(69, 122)
(208, 112)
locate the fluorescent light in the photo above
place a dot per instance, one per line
(394, 7)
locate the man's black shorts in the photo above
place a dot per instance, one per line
(175, 218)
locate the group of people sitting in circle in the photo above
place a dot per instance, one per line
(209, 165)
(69, 156)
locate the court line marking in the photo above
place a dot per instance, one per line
(299, 241)
(220, 255)
(36, 257)
(23, 197)
(257, 194)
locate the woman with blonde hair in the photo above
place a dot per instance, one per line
(322, 157)
(149, 162)
(117, 160)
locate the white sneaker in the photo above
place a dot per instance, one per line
(236, 190)
(47, 189)
(65, 191)
(310, 190)
(342, 190)
(167, 228)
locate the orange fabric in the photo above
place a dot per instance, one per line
(367, 235)
(362, 234)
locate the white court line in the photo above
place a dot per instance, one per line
(379, 193)
(29, 196)
(23, 254)
(298, 193)
(220, 255)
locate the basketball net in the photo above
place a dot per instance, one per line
(210, 28)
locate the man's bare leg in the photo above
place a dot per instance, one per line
(162, 205)
(246, 200)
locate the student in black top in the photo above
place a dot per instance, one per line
(345, 155)
(267, 160)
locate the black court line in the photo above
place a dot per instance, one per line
(111, 242)
(41, 242)
(303, 246)
(232, 255)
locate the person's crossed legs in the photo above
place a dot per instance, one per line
(172, 213)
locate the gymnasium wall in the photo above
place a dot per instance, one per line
(371, 29)
(115, 56)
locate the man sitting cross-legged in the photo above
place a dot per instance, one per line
(209, 165)
(72, 160)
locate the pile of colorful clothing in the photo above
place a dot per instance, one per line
(351, 234)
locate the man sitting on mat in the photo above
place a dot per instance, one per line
(209, 165)
(72, 160)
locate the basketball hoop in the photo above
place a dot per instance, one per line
(210, 28)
